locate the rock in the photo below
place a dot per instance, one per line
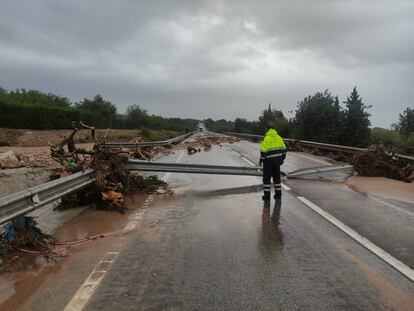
(9, 159)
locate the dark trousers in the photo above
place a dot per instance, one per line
(271, 169)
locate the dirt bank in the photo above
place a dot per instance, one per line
(31, 157)
(39, 138)
(382, 187)
(18, 179)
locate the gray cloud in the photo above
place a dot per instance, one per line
(211, 58)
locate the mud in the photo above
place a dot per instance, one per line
(29, 273)
(17, 286)
(393, 297)
(382, 187)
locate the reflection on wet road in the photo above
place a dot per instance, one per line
(271, 236)
(218, 247)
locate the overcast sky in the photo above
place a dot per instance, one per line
(219, 59)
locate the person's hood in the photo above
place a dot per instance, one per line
(271, 132)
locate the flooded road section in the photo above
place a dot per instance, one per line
(48, 282)
(217, 247)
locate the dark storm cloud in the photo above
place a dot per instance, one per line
(211, 58)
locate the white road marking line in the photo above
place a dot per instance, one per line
(286, 187)
(85, 292)
(248, 161)
(395, 263)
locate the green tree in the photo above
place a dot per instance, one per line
(103, 111)
(356, 131)
(137, 117)
(318, 118)
(276, 116)
(406, 123)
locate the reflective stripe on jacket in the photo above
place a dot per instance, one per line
(272, 146)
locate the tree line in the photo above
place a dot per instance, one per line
(32, 109)
(322, 118)
(319, 117)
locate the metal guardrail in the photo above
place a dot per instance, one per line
(332, 147)
(130, 145)
(146, 166)
(25, 201)
(307, 143)
(324, 146)
(319, 170)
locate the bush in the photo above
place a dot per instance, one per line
(393, 140)
(146, 133)
(37, 117)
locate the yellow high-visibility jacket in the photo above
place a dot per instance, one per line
(272, 146)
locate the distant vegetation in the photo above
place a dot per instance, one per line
(321, 117)
(36, 110)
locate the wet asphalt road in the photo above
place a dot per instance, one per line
(218, 247)
(387, 223)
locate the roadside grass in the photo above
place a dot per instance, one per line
(151, 135)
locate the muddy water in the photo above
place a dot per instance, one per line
(30, 272)
(383, 187)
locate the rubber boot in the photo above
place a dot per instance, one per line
(266, 197)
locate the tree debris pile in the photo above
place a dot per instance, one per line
(23, 235)
(113, 181)
(374, 163)
(148, 153)
(379, 163)
(206, 143)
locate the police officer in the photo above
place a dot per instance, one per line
(272, 155)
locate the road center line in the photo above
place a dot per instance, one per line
(392, 261)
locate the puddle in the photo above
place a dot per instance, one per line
(382, 187)
(17, 286)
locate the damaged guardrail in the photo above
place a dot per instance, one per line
(145, 166)
(130, 145)
(23, 202)
(307, 143)
(324, 146)
(319, 170)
